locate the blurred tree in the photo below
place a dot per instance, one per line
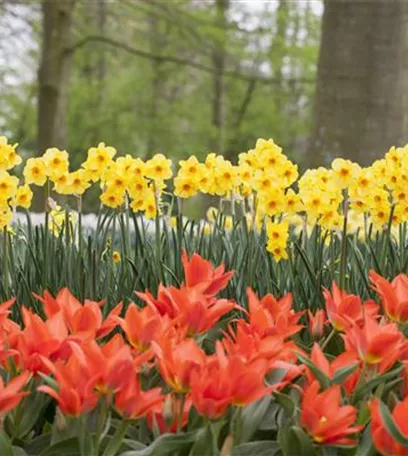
(362, 87)
(54, 73)
(149, 76)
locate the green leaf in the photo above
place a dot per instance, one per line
(264, 448)
(6, 449)
(68, 447)
(18, 451)
(252, 417)
(366, 446)
(368, 386)
(343, 373)
(322, 378)
(37, 445)
(166, 445)
(287, 403)
(391, 426)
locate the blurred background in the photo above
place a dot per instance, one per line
(323, 78)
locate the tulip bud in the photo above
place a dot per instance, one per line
(316, 323)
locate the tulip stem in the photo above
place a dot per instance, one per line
(181, 413)
(237, 426)
(328, 339)
(116, 440)
(103, 411)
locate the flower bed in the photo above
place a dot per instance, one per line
(175, 377)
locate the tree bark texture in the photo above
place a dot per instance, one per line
(362, 89)
(54, 73)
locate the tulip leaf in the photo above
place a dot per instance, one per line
(6, 448)
(166, 445)
(368, 386)
(294, 441)
(37, 445)
(252, 417)
(18, 451)
(343, 373)
(366, 446)
(391, 426)
(322, 378)
(69, 447)
(287, 403)
(263, 448)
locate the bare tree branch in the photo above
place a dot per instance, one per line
(180, 61)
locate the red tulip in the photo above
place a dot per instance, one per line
(394, 296)
(200, 275)
(11, 394)
(325, 419)
(375, 344)
(383, 441)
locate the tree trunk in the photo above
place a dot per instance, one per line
(54, 72)
(218, 60)
(362, 87)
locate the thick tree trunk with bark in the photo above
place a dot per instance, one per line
(218, 61)
(54, 72)
(362, 87)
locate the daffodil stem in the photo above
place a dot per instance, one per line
(46, 229)
(5, 259)
(386, 237)
(343, 255)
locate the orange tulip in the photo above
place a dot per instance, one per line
(178, 361)
(74, 396)
(383, 441)
(325, 419)
(83, 320)
(200, 275)
(345, 309)
(375, 344)
(342, 308)
(330, 369)
(394, 296)
(133, 403)
(165, 416)
(249, 345)
(227, 380)
(11, 394)
(141, 326)
(316, 323)
(108, 367)
(271, 316)
(40, 341)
